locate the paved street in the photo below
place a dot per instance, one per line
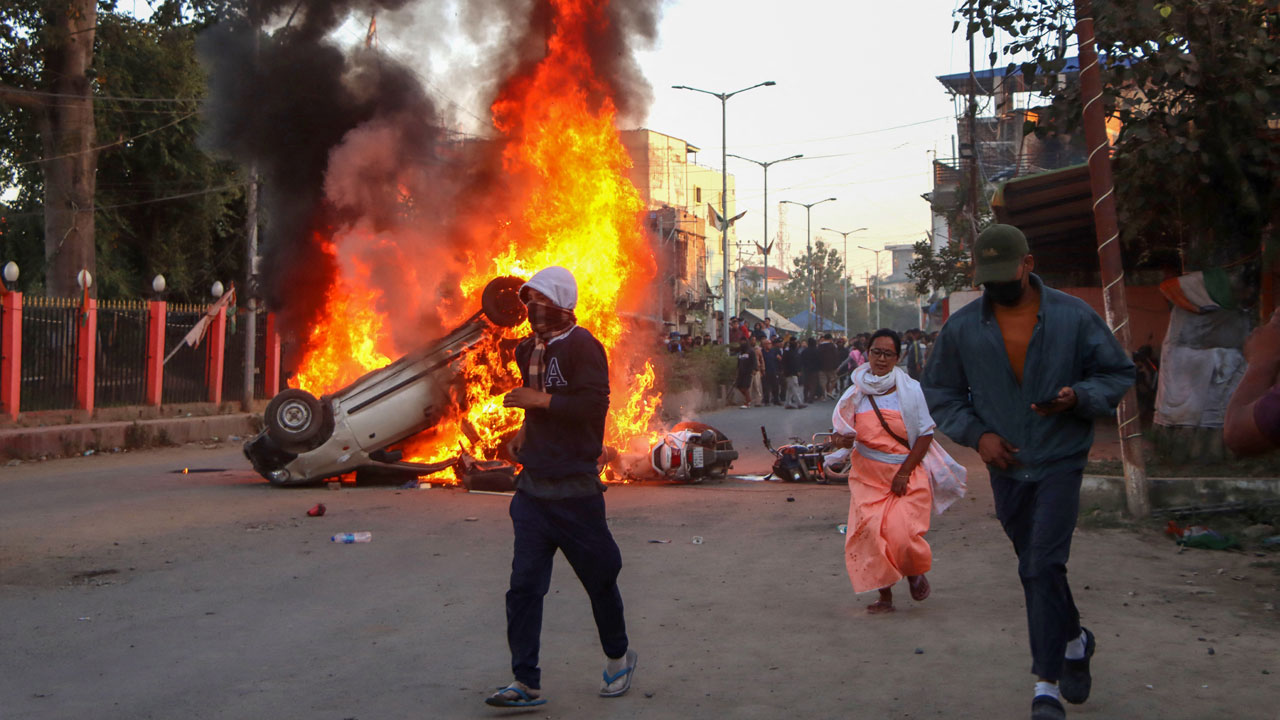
(131, 591)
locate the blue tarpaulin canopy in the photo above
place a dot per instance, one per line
(820, 324)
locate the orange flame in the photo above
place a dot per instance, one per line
(562, 148)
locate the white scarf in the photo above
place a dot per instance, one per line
(910, 399)
(947, 478)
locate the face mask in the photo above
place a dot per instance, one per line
(1004, 293)
(548, 318)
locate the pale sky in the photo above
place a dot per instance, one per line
(846, 72)
(856, 93)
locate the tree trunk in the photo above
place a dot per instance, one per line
(69, 137)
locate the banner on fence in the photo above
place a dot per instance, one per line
(197, 332)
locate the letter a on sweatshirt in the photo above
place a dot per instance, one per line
(554, 376)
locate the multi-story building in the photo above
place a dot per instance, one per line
(1040, 185)
(898, 285)
(679, 194)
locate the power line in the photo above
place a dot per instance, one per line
(112, 98)
(99, 208)
(108, 145)
(841, 137)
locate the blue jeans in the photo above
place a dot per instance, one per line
(575, 526)
(1039, 518)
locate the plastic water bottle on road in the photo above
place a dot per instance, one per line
(356, 537)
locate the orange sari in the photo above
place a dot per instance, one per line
(885, 540)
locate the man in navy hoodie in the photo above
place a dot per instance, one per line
(558, 502)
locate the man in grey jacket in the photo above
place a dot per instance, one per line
(1020, 375)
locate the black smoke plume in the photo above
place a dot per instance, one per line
(349, 144)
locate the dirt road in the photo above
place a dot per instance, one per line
(133, 592)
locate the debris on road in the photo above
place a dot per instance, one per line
(317, 511)
(1258, 531)
(697, 539)
(1200, 537)
(472, 519)
(660, 542)
(355, 537)
(843, 528)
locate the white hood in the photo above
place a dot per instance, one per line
(557, 284)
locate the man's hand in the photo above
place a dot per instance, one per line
(1065, 401)
(997, 451)
(899, 485)
(526, 399)
(842, 441)
(516, 443)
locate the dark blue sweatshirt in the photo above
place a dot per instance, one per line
(563, 442)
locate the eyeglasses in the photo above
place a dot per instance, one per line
(877, 352)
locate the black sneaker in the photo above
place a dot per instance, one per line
(1076, 681)
(1045, 707)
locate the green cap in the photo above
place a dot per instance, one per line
(998, 253)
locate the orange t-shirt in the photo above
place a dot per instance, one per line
(1016, 326)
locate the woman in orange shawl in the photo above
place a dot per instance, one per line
(890, 493)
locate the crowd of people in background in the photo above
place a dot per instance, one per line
(783, 369)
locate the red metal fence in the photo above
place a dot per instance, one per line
(67, 353)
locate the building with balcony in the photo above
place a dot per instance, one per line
(679, 194)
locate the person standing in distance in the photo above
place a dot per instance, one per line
(559, 501)
(1021, 375)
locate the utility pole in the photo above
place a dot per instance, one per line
(808, 243)
(251, 260)
(845, 273)
(877, 252)
(973, 150)
(868, 289)
(724, 188)
(251, 321)
(1136, 484)
(767, 245)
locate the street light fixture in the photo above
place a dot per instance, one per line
(765, 235)
(808, 244)
(845, 235)
(877, 252)
(724, 189)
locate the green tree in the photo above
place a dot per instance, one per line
(159, 203)
(165, 206)
(947, 269)
(1194, 85)
(46, 58)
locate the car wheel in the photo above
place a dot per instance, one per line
(501, 301)
(293, 418)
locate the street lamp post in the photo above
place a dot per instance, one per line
(724, 189)
(808, 244)
(846, 235)
(765, 235)
(877, 252)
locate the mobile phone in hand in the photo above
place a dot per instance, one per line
(1049, 401)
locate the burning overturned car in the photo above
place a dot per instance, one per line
(307, 439)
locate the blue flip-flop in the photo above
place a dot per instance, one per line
(627, 672)
(525, 700)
